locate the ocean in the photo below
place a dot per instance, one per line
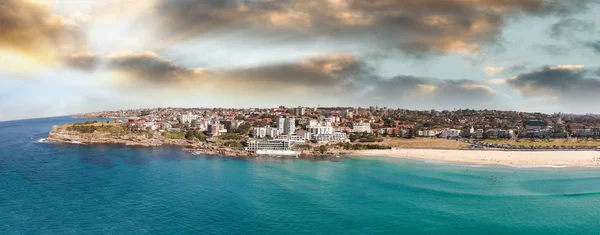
(49, 188)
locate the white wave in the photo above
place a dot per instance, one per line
(42, 140)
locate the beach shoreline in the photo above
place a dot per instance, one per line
(580, 158)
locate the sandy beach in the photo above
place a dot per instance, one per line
(495, 157)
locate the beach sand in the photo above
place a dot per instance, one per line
(495, 157)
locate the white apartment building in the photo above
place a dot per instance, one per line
(289, 126)
(427, 133)
(336, 136)
(281, 124)
(320, 130)
(292, 138)
(304, 134)
(259, 132)
(187, 118)
(361, 127)
(262, 132)
(278, 145)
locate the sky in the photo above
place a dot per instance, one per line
(61, 57)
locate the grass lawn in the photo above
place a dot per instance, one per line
(422, 143)
(551, 142)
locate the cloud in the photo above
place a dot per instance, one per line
(556, 50)
(492, 71)
(414, 27)
(340, 78)
(417, 92)
(29, 28)
(571, 85)
(568, 28)
(594, 45)
(149, 67)
(86, 61)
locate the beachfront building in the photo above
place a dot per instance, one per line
(293, 138)
(426, 133)
(333, 137)
(467, 132)
(362, 127)
(588, 133)
(304, 134)
(276, 145)
(449, 133)
(479, 133)
(535, 125)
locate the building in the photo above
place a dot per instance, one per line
(336, 136)
(267, 131)
(479, 133)
(361, 127)
(467, 132)
(328, 121)
(348, 114)
(535, 125)
(427, 133)
(289, 126)
(304, 134)
(588, 133)
(216, 129)
(280, 124)
(293, 138)
(320, 130)
(300, 111)
(277, 145)
(259, 132)
(187, 118)
(232, 124)
(449, 133)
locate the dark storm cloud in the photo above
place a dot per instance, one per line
(566, 83)
(335, 76)
(416, 92)
(440, 26)
(149, 67)
(595, 46)
(30, 28)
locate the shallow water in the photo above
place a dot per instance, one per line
(69, 189)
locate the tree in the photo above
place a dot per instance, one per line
(322, 148)
(189, 135)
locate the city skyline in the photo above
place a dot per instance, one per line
(67, 57)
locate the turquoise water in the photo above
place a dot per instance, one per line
(64, 189)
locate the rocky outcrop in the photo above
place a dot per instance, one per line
(63, 135)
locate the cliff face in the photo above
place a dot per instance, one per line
(63, 135)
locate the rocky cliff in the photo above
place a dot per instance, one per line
(64, 135)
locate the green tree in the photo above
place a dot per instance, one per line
(322, 149)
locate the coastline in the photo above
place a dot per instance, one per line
(516, 158)
(494, 157)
